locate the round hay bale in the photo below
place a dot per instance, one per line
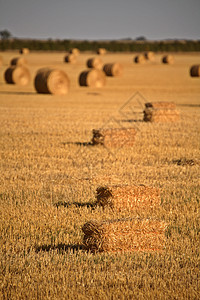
(95, 63)
(149, 55)
(101, 51)
(114, 69)
(24, 51)
(17, 75)
(74, 51)
(70, 58)
(92, 78)
(18, 61)
(51, 81)
(195, 71)
(168, 59)
(139, 59)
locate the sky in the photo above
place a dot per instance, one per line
(101, 19)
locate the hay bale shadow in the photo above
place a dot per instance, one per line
(60, 247)
(84, 144)
(184, 162)
(77, 204)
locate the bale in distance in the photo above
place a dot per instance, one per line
(24, 51)
(113, 69)
(101, 51)
(74, 51)
(114, 137)
(149, 55)
(92, 78)
(161, 112)
(161, 105)
(124, 235)
(195, 71)
(51, 81)
(140, 59)
(168, 59)
(18, 61)
(94, 62)
(70, 58)
(128, 197)
(19, 75)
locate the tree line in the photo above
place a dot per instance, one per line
(114, 46)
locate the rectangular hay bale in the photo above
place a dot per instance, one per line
(161, 105)
(114, 138)
(129, 197)
(161, 115)
(125, 235)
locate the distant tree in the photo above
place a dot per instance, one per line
(5, 34)
(141, 38)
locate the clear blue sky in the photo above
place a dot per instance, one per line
(101, 19)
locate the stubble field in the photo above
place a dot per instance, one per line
(49, 176)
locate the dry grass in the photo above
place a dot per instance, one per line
(49, 176)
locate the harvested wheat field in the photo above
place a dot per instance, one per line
(50, 171)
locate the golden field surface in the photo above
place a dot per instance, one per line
(49, 176)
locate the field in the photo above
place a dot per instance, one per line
(49, 176)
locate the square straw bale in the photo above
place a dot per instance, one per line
(161, 105)
(125, 235)
(161, 115)
(114, 138)
(128, 197)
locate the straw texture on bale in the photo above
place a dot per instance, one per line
(195, 71)
(113, 69)
(95, 63)
(149, 55)
(101, 51)
(161, 112)
(70, 58)
(74, 51)
(128, 197)
(161, 105)
(140, 59)
(168, 59)
(92, 78)
(125, 235)
(17, 75)
(114, 138)
(51, 81)
(18, 61)
(24, 51)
